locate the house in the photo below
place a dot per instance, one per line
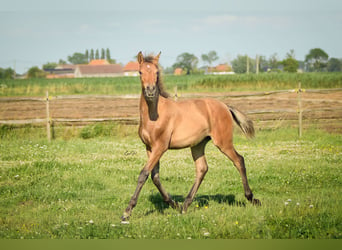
(221, 69)
(98, 62)
(61, 71)
(131, 69)
(178, 71)
(110, 70)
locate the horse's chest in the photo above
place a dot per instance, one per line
(145, 136)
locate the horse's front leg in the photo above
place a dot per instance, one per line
(156, 180)
(151, 163)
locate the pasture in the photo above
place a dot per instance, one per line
(185, 84)
(78, 185)
(78, 188)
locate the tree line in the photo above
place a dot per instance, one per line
(82, 58)
(317, 60)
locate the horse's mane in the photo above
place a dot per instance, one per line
(160, 84)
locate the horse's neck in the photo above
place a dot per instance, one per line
(149, 109)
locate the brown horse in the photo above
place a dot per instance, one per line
(168, 124)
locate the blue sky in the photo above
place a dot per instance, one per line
(38, 31)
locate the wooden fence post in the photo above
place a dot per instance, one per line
(48, 120)
(247, 65)
(300, 111)
(176, 93)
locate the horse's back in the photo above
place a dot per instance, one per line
(196, 119)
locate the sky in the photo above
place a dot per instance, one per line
(35, 32)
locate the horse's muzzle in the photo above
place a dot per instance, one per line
(150, 91)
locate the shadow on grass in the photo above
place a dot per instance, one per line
(201, 200)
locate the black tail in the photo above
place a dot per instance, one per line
(243, 121)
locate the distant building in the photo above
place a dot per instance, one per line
(178, 71)
(96, 68)
(110, 70)
(98, 62)
(61, 71)
(131, 69)
(221, 69)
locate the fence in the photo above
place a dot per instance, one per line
(49, 120)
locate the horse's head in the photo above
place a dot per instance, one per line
(149, 75)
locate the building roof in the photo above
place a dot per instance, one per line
(66, 66)
(178, 71)
(222, 67)
(100, 69)
(98, 62)
(131, 66)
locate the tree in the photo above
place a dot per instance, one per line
(263, 63)
(92, 57)
(97, 55)
(35, 72)
(316, 60)
(78, 58)
(240, 64)
(334, 65)
(108, 55)
(61, 61)
(49, 65)
(103, 54)
(6, 73)
(290, 63)
(109, 59)
(273, 62)
(187, 62)
(87, 55)
(210, 57)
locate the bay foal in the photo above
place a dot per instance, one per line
(167, 124)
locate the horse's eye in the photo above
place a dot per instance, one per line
(140, 72)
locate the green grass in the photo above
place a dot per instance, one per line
(78, 188)
(191, 83)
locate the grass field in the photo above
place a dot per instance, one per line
(191, 83)
(78, 188)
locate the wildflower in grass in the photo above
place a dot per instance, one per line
(206, 234)
(297, 204)
(311, 206)
(236, 223)
(286, 203)
(91, 222)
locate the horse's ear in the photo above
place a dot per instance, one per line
(156, 58)
(140, 57)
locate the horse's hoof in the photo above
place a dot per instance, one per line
(174, 205)
(125, 222)
(256, 202)
(124, 218)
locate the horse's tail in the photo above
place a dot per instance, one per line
(243, 121)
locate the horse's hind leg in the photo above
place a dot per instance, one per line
(239, 163)
(155, 178)
(201, 169)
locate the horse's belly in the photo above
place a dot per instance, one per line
(187, 137)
